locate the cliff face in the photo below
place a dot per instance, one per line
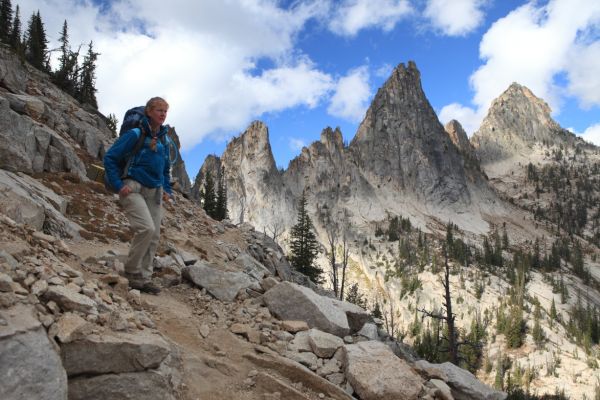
(402, 145)
(255, 188)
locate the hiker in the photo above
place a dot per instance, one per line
(142, 188)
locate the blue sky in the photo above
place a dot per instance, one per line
(300, 66)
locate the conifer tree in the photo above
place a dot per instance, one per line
(553, 313)
(5, 20)
(304, 245)
(36, 43)
(65, 76)
(210, 202)
(87, 80)
(355, 297)
(15, 34)
(221, 204)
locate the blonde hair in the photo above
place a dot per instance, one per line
(154, 102)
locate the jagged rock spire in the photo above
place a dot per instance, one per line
(402, 144)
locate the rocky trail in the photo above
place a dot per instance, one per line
(228, 324)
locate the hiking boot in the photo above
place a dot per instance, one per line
(146, 287)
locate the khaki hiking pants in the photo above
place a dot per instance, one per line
(143, 207)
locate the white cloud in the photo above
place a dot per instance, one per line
(592, 134)
(201, 56)
(455, 17)
(296, 144)
(384, 71)
(468, 118)
(354, 15)
(350, 100)
(533, 45)
(584, 74)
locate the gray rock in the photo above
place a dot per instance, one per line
(441, 389)
(369, 330)
(30, 368)
(148, 385)
(300, 342)
(307, 359)
(357, 316)
(294, 302)
(465, 386)
(124, 352)
(324, 344)
(27, 201)
(250, 266)
(376, 373)
(223, 285)
(69, 300)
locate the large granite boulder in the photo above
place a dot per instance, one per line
(27, 201)
(223, 285)
(103, 354)
(149, 385)
(290, 301)
(465, 386)
(376, 373)
(30, 368)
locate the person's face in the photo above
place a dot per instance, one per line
(158, 114)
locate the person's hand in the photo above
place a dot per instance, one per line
(166, 197)
(125, 191)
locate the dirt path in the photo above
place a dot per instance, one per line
(213, 365)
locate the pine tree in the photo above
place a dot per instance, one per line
(210, 202)
(376, 313)
(112, 123)
(355, 297)
(5, 20)
(304, 245)
(221, 205)
(15, 34)
(553, 313)
(537, 332)
(65, 76)
(87, 80)
(36, 44)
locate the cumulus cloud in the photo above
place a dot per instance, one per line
(533, 45)
(350, 100)
(584, 74)
(351, 16)
(592, 134)
(455, 17)
(201, 56)
(296, 144)
(468, 117)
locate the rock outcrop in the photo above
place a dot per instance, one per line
(516, 121)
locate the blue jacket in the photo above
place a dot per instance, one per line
(148, 167)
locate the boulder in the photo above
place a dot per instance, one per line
(124, 352)
(324, 344)
(357, 316)
(294, 302)
(376, 373)
(369, 330)
(223, 285)
(30, 368)
(27, 201)
(148, 385)
(465, 386)
(69, 300)
(250, 266)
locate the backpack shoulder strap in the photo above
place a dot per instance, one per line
(141, 134)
